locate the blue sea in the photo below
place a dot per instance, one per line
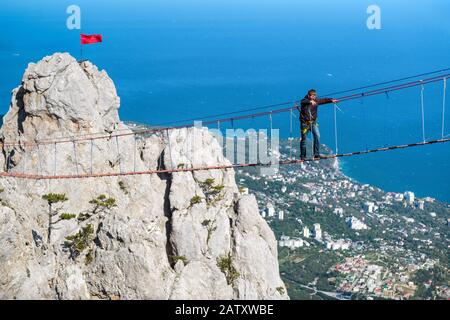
(182, 59)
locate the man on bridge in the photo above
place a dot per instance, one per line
(308, 121)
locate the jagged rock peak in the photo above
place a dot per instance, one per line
(60, 96)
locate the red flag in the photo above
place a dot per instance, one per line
(90, 38)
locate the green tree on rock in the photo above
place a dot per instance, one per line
(52, 199)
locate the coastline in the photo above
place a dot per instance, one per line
(346, 170)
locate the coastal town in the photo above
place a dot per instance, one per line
(375, 244)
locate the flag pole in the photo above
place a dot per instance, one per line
(81, 49)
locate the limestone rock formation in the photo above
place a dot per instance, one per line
(183, 235)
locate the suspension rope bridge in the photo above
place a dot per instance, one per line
(102, 135)
(165, 133)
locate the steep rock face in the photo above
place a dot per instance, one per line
(183, 235)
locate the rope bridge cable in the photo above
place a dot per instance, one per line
(388, 82)
(39, 168)
(422, 88)
(270, 124)
(54, 159)
(228, 113)
(341, 99)
(363, 107)
(119, 154)
(443, 107)
(335, 130)
(386, 112)
(75, 154)
(170, 149)
(394, 88)
(91, 154)
(223, 167)
(24, 165)
(271, 121)
(134, 154)
(291, 133)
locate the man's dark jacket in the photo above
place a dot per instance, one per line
(308, 112)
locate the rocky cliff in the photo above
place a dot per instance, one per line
(184, 235)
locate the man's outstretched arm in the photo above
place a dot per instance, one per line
(326, 100)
